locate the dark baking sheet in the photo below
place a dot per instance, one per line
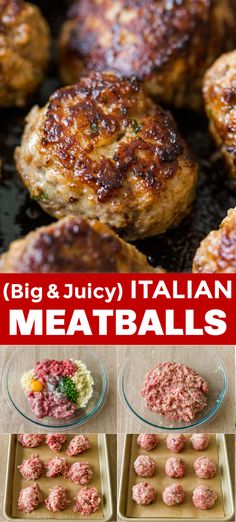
(173, 250)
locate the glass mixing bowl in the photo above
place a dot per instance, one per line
(142, 359)
(24, 359)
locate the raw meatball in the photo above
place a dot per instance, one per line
(31, 440)
(88, 501)
(79, 444)
(30, 498)
(204, 497)
(175, 467)
(204, 468)
(168, 45)
(143, 493)
(147, 441)
(57, 499)
(144, 466)
(173, 495)
(73, 244)
(175, 443)
(80, 473)
(200, 441)
(55, 442)
(56, 467)
(31, 468)
(217, 252)
(102, 150)
(175, 391)
(24, 51)
(220, 100)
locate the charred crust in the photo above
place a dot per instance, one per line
(104, 111)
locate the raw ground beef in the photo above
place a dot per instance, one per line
(175, 467)
(143, 493)
(51, 367)
(205, 468)
(80, 473)
(147, 441)
(56, 467)
(87, 500)
(31, 468)
(30, 440)
(200, 441)
(49, 404)
(30, 498)
(175, 391)
(204, 497)
(78, 445)
(55, 441)
(173, 495)
(57, 499)
(144, 466)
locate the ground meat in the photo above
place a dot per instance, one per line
(30, 440)
(200, 441)
(144, 466)
(57, 499)
(87, 500)
(174, 391)
(55, 442)
(50, 404)
(78, 444)
(143, 493)
(175, 467)
(80, 473)
(205, 468)
(147, 441)
(31, 468)
(176, 442)
(173, 495)
(204, 497)
(56, 467)
(51, 367)
(30, 498)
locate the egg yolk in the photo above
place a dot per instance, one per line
(36, 386)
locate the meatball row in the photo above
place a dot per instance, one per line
(175, 467)
(203, 497)
(77, 445)
(174, 442)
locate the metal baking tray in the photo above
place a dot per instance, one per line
(175, 249)
(226, 486)
(106, 490)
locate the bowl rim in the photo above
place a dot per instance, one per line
(203, 421)
(77, 423)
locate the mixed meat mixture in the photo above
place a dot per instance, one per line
(175, 391)
(57, 388)
(143, 493)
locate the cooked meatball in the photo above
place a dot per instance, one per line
(30, 440)
(204, 497)
(57, 499)
(144, 466)
(220, 99)
(79, 444)
(102, 150)
(143, 493)
(217, 252)
(32, 468)
(80, 473)
(73, 244)
(175, 467)
(148, 441)
(29, 498)
(200, 441)
(55, 441)
(176, 442)
(173, 495)
(166, 44)
(24, 51)
(87, 500)
(204, 468)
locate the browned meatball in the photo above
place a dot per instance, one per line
(73, 245)
(24, 51)
(217, 252)
(220, 99)
(101, 149)
(167, 44)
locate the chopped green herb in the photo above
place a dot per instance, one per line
(94, 126)
(41, 196)
(68, 387)
(136, 126)
(209, 113)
